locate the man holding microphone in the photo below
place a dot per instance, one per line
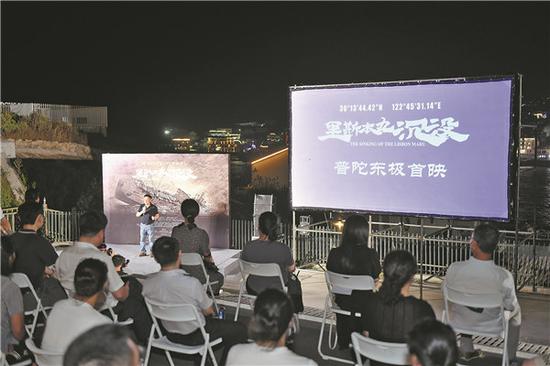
(149, 214)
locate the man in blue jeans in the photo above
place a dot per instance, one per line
(149, 213)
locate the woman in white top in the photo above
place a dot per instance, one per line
(268, 327)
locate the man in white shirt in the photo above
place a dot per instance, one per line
(172, 285)
(71, 317)
(92, 235)
(480, 275)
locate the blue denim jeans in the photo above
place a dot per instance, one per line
(149, 231)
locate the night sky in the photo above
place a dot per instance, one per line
(201, 65)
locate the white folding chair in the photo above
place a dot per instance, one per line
(23, 282)
(177, 313)
(390, 353)
(4, 362)
(43, 357)
(342, 285)
(195, 259)
(496, 328)
(256, 269)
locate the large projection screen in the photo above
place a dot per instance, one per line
(169, 178)
(430, 148)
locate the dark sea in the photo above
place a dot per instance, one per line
(534, 196)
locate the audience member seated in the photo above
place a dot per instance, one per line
(103, 345)
(71, 317)
(120, 263)
(432, 343)
(92, 235)
(478, 275)
(35, 255)
(193, 239)
(353, 257)
(269, 327)
(172, 285)
(392, 312)
(268, 250)
(13, 319)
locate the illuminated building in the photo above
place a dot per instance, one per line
(223, 140)
(527, 147)
(182, 144)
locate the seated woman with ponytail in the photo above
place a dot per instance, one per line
(391, 313)
(193, 239)
(268, 328)
(267, 249)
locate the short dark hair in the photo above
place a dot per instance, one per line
(399, 267)
(92, 222)
(486, 236)
(103, 345)
(273, 311)
(148, 195)
(29, 211)
(433, 343)
(31, 195)
(119, 260)
(7, 251)
(90, 277)
(166, 250)
(269, 225)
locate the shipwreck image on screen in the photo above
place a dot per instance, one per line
(169, 179)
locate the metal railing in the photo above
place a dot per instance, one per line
(434, 247)
(242, 232)
(60, 226)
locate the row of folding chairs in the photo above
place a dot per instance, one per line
(396, 353)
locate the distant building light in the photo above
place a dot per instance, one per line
(181, 139)
(166, 132)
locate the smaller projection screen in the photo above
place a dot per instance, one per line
(433, 148)
(170, 179)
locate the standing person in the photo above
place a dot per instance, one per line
(268, 250)
(149, 213)
(273, 312)
(193, 239)
(353, 257)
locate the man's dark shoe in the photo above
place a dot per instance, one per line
(469, 356)
(142, 254)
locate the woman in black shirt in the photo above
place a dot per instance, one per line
(353, 257)
(391, 313)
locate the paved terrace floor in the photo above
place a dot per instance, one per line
(535, 330)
